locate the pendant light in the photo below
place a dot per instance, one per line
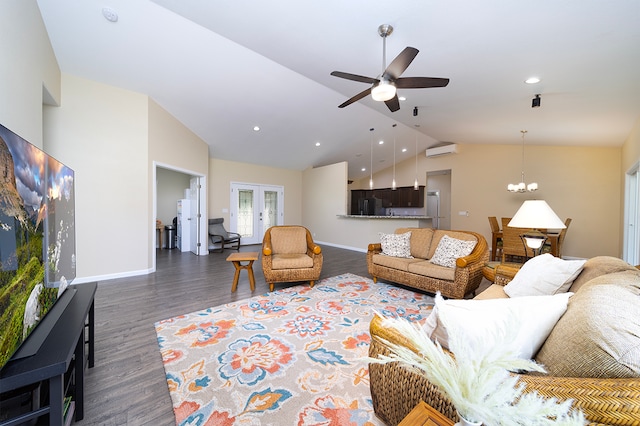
(415, 182)
(371, 165)
(522, 187)
(393, 182)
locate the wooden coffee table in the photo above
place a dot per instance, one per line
(237, 259)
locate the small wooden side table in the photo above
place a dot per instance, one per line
(237, 259)
(425, 415)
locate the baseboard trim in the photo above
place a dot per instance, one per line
(127, 274)
(321, 243)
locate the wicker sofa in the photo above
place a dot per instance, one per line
(602, 310)
(417, 272)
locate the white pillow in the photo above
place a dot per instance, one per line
(544, 275)
(449, 249)
(534, 317)
(397, 245)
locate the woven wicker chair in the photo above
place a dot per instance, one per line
(395, 390)
(289, 255)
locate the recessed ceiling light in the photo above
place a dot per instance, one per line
(317, 143)
(363, 169)
(532, 80)
(381, 142)
(402, 98)
(256, 128)
(404, 149)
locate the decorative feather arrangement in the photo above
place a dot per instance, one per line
(478, 379)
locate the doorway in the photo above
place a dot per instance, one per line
(631, 252)
(254, 209)
(439, 206)
(188, 185)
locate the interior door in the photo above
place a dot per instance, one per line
(198, 217)
(255, 208)
(632, 216)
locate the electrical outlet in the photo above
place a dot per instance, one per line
(463, 213)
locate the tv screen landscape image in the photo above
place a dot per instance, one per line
(37, 237)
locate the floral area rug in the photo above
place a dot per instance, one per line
(295, 356)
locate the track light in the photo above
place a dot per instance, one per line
(535, 102)
(415, 111)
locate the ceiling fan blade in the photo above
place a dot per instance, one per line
(354, 77)
(420, 82)
(356, 98)
(393, 104)
(400, 63)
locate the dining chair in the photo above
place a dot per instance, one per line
(496, 238)
(513, 250)
(548, 247)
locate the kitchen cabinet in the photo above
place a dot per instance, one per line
(405, 196)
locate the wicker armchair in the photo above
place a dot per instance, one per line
(395, 390)
(289, 254)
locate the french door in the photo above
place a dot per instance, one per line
(255, 208)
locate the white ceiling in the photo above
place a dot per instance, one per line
(221, 67)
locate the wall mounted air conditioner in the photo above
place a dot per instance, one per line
(442, 150)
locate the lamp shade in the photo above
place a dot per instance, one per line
(536, 214)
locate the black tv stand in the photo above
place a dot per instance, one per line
(66, 351)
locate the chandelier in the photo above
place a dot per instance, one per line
(522, 187)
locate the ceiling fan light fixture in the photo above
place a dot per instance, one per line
(383, 91)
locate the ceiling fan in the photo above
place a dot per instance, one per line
(384, 86)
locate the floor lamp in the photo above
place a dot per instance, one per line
(535, 214)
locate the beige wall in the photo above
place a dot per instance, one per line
(578, 182)
(101, 133)
(29, 66)
(222, 173)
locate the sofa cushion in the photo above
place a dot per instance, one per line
(597, 266)
(599, 335)
(426, 268)
(494, 291)
(530, 319)
(449, 249)
(420, 240)
(288, 240)
(397, 245)
(291, 261)
(439, 233)
(401, 263)
(544, 275)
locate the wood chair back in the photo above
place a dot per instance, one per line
(513, 250)
(493, 221)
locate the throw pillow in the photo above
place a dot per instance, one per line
(396, 245)
(449, 249)
(599, 335)
(530, 320)
(544, 275)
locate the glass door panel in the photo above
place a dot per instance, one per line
(255, 208)
(246, 226)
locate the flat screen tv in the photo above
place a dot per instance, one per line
(37, 238)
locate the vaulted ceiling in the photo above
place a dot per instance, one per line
(223, 67)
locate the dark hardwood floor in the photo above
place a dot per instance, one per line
(127, 385)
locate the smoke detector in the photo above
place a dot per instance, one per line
(109, 14)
